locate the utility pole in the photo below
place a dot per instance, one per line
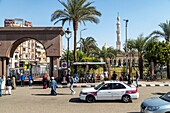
(126, 20)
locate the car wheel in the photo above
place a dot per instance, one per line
(126, 98)
(90, 99)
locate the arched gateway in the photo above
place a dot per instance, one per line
(12, 37)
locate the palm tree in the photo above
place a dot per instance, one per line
(140, 44)
(88, 46)
(76, 11)
(107, 54)
(165, 33)
(131, 46)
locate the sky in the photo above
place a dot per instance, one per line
(144, 17)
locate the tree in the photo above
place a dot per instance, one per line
(76, 11)
(131, 46)
(88, 46)
(140, 45)
(159, 52)
(165, 33)
(107, 54)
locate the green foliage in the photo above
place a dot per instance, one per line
(75, 12)
(89, 46)
(159, 52)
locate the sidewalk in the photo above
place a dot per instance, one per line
(141, 84)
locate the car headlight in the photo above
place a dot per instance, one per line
(152, 108)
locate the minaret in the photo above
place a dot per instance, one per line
(118, 42)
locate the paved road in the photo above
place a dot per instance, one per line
(37, 100)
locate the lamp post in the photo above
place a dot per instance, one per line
(126, 20)
(68, 36)
(81, 37)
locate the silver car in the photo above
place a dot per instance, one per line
(156, 104)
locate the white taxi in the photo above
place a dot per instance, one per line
(110, 90)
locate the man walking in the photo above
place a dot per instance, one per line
(53, 86)
(72, 84)
(137, 78)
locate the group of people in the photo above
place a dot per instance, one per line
(10, 84)
(129, 78)
(23, 77)
(52, 83)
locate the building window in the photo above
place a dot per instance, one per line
(24, 49)
(16, 57)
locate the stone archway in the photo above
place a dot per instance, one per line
(12, 37)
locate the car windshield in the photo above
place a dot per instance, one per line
(97, 87)
(166, 97)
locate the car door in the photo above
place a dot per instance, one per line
(118, 90)
(104, 93)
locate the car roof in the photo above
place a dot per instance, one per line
(113, 81)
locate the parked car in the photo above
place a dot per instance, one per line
(156, 104)
(110, 90)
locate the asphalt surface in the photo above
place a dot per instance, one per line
(37, 100)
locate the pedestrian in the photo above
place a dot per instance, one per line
(53, 86)
(137, 78)
(8, 86)
(87, 77)
(105, 75)
(0, 86)
(45, 82)
(30, 80)
(22, 80)
(72, 85)
(13, 82)
(114, 76)
(129, 79)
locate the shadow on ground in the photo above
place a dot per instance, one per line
(50, 94)
(63, 93)
(42, 95)
(77, 100)
(158, 93)
(36, 88)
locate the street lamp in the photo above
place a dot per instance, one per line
(126, 20)
(68, 36)
(81, 38)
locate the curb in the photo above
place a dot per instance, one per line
(86, 86)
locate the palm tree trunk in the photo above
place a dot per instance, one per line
(109, 67)
(75, 56)
(152, 68)
(141, 67)
(75, 27)
(130, 65)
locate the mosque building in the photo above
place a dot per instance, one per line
(120, 60)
